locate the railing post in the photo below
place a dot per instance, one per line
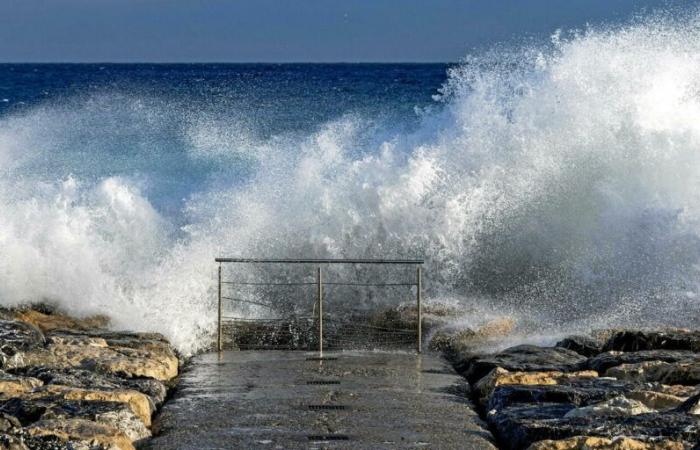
(419, 283)
(219, 343)
(319, 286)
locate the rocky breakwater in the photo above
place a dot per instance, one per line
(69, 383)
(624, 389)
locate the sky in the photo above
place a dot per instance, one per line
(288, 30)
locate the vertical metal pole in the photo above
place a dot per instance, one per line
(219, 343)
(319, 286)
(420, 311)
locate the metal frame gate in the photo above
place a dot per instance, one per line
(320, 286)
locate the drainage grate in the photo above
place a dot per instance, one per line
(321, 358)
(327, 407)
(323, 382)
(329, 437)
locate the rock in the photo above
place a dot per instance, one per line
(16, 337)
(55, 320)
(13, 385)
(691, 405)
(523, 358)
(139, 403)
(117, 415)
(574, 391)
(597, 443)
(523, 425)
(616, 406)
(685, 373)
(82, 431)
(9, 442)
(86, 379)
(153, 359)
(499, 377)
(583, 345)
(658, 401)
(604, 361)
(634, 340)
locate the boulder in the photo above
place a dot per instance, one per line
(525, 424)
(617, 406)
(87, 379)
(17, 337)
(54, 320)
(499, 377)
(598, 443)
(452, 340)
(116, 415)
(684, 373)
(153, 359)
(658, 401)
(82, 431)
(14, 385)
(636, 340)
(583, 345)
(574, 391)
(605, 361)
(523, 358)
(9, 442)
(139, 403)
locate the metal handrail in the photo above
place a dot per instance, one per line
(319, 287)
(319, 261)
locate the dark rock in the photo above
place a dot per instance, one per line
(575, 391)
(525, 358)
(604, 361)
(18, 336)
(519, 426)
(583, 345)
(95, 380)
(633, 340)
(690, 406)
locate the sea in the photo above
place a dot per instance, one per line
(555, 184)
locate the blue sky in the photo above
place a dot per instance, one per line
(287, 30)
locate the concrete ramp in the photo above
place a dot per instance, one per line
(348, 400)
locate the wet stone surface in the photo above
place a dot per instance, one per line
(271, 400)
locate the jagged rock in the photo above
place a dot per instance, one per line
(139, 403)
(635, 340)
(522, 425)
(575, 391)
(82, 431)
(523, 358)
(686, 373)
(117, 415)
(658, 401)
(691, 405)
(605, 361)
(13, 385)
(9, 442)
(151, 358)
(499, 377)
(583, 345)
(616, 406)
(55, 320)
(86, 379)
(597, 443)
(16, 337)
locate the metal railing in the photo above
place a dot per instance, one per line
(319, 283)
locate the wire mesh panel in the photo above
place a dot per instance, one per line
(319, 304)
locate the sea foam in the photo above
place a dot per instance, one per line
(557, 184)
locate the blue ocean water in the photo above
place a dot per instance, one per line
(554, 185)
(133, 120)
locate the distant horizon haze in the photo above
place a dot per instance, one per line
(287, 31)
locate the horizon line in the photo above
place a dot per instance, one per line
(229, 62)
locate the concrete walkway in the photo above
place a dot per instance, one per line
(283, 400)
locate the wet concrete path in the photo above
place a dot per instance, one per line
(284, 400)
